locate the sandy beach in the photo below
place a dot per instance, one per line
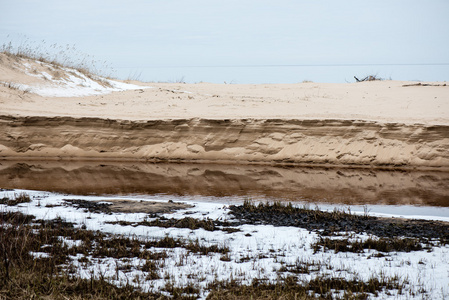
(212, 150)
(71, 153)
(52, 113)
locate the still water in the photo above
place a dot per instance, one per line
(379, 191)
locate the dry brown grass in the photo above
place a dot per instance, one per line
(317, 288)
(24, 275)
(18, 198)
(59, 56)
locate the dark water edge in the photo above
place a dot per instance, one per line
(313, 185)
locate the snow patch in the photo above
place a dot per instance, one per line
(72, 83)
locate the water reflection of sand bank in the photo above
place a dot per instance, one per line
(343, 186)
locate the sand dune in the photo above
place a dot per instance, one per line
(370, 124)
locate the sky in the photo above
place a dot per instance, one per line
(160, 34)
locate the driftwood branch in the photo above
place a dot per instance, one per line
(423, 84)
(368, 78)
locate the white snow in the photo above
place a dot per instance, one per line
(73, 83)
(257, 251)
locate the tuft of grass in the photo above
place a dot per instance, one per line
(61, 56)
(53, 276)
(382, 245)
(195, 246)
(188, 292)
(317, 288)
(337, 222)
(187, 222)
(24, 275)
(90, 206)
(18, 198)
(301, 267)
(15, 218)
(135, 76)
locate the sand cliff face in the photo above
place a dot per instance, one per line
(273, 141)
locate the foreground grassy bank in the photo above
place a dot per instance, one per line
(54, 258)
(36, 263)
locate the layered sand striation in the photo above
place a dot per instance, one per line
(300, 142)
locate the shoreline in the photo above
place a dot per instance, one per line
(71, 159)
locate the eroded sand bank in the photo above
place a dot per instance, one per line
(45, 115)
(292, 142)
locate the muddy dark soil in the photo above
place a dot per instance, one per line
(187, 222)
(126, 206)
(90, 206)
(333, 223)
(326, 223)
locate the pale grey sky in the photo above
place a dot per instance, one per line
(144, 33)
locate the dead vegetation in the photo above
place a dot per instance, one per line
(423, 84)
(36, 262)
(357, 246)
(109, 206)
(187, 222)
(340, 223)
(43, 258)
(59, 56)
(317, 288)
(368, 78)
(53, 61)
(18, 198)
(26, 276)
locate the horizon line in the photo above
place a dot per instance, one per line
(294, 65)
